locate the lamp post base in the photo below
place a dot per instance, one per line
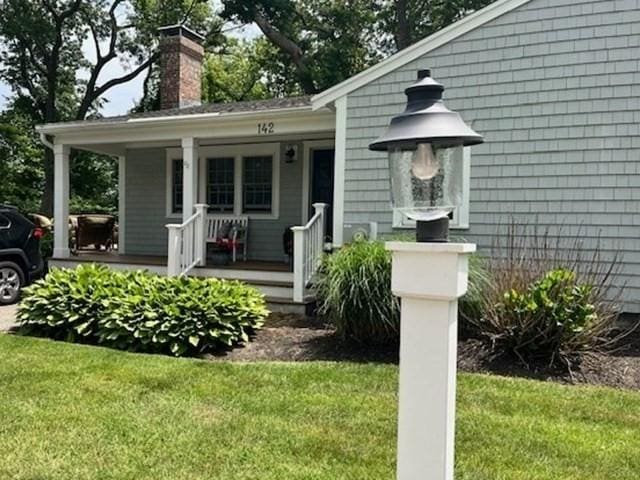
(429, 278)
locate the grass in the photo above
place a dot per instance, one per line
(79, 412)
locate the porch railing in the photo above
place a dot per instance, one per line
(187, 247)
(308, 246)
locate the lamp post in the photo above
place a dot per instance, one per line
(429, 276)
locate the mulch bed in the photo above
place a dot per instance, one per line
(294, 338)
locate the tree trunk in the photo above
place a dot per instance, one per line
(403, 30)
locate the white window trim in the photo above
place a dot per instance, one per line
(308, 148)
(171, 155)
(460, 219)
(238, 152)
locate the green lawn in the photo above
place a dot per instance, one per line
(77, 412)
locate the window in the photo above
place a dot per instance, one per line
(257, 184)
(231, 179)
(220, 184)
(177, 186)
(460, 216)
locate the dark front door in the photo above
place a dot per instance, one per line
(322, 171)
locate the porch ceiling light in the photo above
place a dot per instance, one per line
(426, 174)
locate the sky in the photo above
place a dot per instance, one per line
(122, 98)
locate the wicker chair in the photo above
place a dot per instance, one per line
(95, 231)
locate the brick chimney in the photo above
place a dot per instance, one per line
(181, 55)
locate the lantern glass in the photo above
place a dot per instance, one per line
(426, 180)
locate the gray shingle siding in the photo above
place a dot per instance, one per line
(554, 88)
(146, 207)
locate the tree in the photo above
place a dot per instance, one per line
(235, 72)
(43, 57)
(409, 21)
(318, 43)
(20, 168)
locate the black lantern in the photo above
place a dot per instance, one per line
(426, 174)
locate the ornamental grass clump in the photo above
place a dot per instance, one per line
(138, 311)
(354, 293)
(548, 299)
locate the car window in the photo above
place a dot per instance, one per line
(4, 221)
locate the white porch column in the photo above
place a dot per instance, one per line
(429, 278)
(339, 171)
(190, 176)
(61, 201)
(122, 189)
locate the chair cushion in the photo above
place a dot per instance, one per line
(224, 229)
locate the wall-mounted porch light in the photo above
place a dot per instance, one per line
(290, 152)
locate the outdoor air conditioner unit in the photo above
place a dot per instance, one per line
(357, 232)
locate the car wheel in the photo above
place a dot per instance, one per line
(11, 281)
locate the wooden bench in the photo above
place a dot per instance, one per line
(228, 231)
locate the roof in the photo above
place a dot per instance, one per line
(274, 104)
(416, 50)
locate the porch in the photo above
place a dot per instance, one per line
(263, 168)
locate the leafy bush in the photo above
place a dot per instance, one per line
(547, 299)
(470, 305)
(141, 312)
(354, 293)
(46, 245)
(552, 319)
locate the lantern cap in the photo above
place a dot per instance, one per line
(426, 119)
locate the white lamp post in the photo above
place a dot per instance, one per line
(429, 276)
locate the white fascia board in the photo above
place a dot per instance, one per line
(417, 50)
(289, 121)
(56, 128)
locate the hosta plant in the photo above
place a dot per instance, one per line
(138, 311)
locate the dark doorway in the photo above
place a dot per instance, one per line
(322, 170)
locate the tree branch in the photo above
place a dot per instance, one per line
(94, 94)
(289, 47)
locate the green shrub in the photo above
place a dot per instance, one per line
(470, 305)
(141, 312)
(354, 293)
(548, 299)
(552, 320)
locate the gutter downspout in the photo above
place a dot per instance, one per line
(44, 141)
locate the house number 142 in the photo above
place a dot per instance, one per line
(266, 128)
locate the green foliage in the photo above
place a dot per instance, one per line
(354, 292)
(46, 245)
(552, 320)
(422, 18)
(20, 167)
(235, 73)
(546, 299)
(315, 44)
(470, 305)
(141, 312)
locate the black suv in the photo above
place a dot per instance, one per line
(20, 259)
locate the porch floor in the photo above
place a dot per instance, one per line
(160, 261)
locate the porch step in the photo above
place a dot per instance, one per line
(244, 275)
(287, 305)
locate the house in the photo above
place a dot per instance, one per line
(554, 87)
